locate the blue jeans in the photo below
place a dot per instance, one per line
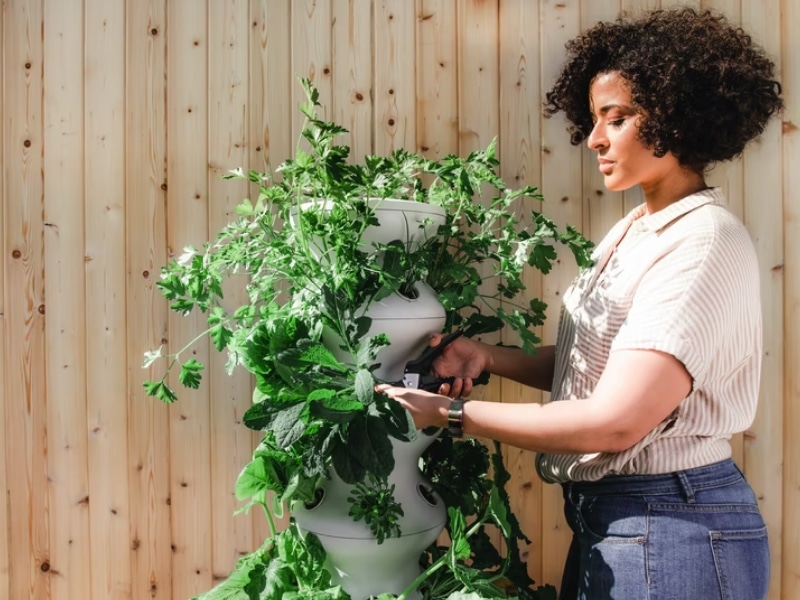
(690, 535)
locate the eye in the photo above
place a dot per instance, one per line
(617, 123)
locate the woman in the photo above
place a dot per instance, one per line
(657, 360)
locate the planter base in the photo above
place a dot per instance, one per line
(356, 561)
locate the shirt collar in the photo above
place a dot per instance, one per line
(665, 216)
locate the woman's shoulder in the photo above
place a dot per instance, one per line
(711, 225)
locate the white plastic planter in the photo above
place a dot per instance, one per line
(409, 221)
(355, 559)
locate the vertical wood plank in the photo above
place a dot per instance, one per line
(272, 87)
(2, 246)
(231, 446)
(65, 292)
(394, 89)
(602, 208)
(4, 507)
(520, 146)
(187, 224)
(145, 223)
(478, 100)
(763, 447)
(437, 78)
(106, 335)
(479, 120)
(272, 84)
(352, 56)
(478, 76)
(5, 528)
(790, 79)
(729, 176)
(561, 186)
(311, 56)
(24, 341)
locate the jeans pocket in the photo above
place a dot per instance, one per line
(741, 559)
(619, 519)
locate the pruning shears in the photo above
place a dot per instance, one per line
(418, 372)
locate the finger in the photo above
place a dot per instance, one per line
(466, 388)
(444, 389)
(454, 389)
(436, 339)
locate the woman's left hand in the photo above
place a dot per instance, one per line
(427, 409)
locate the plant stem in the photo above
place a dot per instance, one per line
(270, 521)
(442, 560)
(423, 576)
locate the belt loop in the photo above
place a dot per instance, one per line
(688, 491)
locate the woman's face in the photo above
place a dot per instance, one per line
(624, 159)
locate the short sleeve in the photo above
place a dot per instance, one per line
(699, 302)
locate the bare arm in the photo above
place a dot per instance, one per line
(466, 358)
(533, 370)
(638, 390)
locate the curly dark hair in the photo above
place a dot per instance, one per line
(703, 87)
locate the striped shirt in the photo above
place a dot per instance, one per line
(683, 281)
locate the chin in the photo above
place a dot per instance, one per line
(617, 185)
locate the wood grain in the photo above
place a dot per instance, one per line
(148, 465)
(395, 58)
(106, 331)
(25, 436)
(352, 57)
(519, 147)
(763, 190)
(788, 587)
(188, 60)
(228, 148)
(117, 120)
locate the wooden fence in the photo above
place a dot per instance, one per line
(118, 118)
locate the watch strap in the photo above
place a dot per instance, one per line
(455, 418)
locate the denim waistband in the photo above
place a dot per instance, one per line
(680, 482)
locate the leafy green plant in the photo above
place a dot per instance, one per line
(373, 501)
(298, 252)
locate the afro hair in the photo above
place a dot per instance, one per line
(703, 87)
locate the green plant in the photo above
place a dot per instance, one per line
(299, 253)
(373, 500)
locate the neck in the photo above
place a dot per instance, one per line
(660, 194)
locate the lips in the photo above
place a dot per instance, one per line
(606, 166)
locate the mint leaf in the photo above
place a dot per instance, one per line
(288, 426)
(365, 386)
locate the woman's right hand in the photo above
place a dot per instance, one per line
(464, 360)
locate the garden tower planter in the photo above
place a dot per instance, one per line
(361, 565)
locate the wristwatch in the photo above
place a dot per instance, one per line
(455, 418)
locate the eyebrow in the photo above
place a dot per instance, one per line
(606, 108)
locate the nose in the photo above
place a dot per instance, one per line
(597, 137)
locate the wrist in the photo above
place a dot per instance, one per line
(488, 357)
(455, 418)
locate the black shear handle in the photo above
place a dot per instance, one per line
(424, 362)
(435, 384)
